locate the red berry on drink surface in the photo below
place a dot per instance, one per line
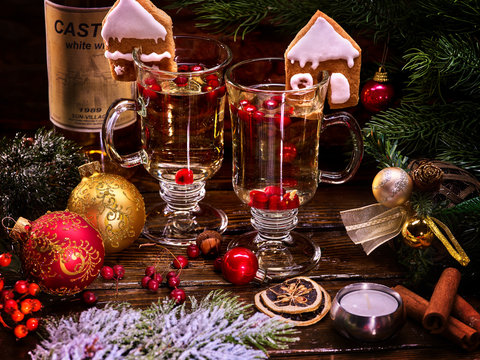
(289, 152)
(150, 270)
(183, 68)
(36, 305)
(259, 116)
(149, 93)
(33, 289)
(89, 297)
(158, 277)
(211, 94)
(107, 273)
(217, 264)
(250, 108)
(178, 295)
(275, 202)
(274, 190)
(17, 316)
(258, 199)
(282, 120)
(21, 287)
(244, 115)
(10, 306)
(5, 259)
(193, 251)
(26, 306)
(196, 68)
(173, 281)
(155, 87)
(180, 262)
(150, 81)
(145, 281)
(153, 285)
(221, 91)
(32, 324)
(214, 82)
(20, 331)
(181, 81)
(171, 274)
(270, 104)
(119, 271)
(211, 77)
(184, 177)
(291, 199)
(244, 103)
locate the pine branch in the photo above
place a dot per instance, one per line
(383, 150)
(461, 150)
(214, 328)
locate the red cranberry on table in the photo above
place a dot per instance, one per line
(150, 270)
(173, 281)
(119, 271)
(153, 285)
(193, 251)
(178, 295)
(89, 297)
(171, 274)
(107, 273)
(180, 262)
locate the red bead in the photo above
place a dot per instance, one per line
(89, 297)
(145, 281)
(270, 104)
(180, 262)
(32, 324)
(173, 281)
(193, 251)
(21, 287)
(119, 271)
(178, 295)
(184, 177)
(152, 285)
(5, 259)
(181, 81)
(239, 266)
(282, 121)
(196, 68)
(376, 96)
(107, 273)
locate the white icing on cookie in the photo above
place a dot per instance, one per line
(301, 81)
(119, 70)
(129, 19)
(322, 43)
(340, 88)
(144, 57)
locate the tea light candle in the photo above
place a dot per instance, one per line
(369, 302)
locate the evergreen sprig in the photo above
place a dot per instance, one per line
(37, 174)
(217, 327)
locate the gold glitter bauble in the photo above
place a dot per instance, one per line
(416, 233)
(112, 204)
(392, 187)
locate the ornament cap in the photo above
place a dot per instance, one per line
(261, 277)
(89, 169)
(20, 229)
(381, 75)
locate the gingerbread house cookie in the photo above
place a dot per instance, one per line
(323, 45)
(137, 23)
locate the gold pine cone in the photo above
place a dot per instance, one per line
(427, 176)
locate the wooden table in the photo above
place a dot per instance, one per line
(342, 263)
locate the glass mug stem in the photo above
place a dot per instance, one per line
(274, 225)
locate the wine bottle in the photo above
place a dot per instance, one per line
(80, 85)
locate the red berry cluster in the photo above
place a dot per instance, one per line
(116, 273)
(153, 280)
(270, 111)
(274, 198)
(20, 310)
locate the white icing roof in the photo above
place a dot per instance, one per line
(322, 43)
(129, 19)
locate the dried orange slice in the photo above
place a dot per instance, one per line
(293, 296)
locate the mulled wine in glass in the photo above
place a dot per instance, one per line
(181, 115)
(275, 134)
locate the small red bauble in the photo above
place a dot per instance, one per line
(239, 266)
(377, 94)
(178, 295)
(180, 262)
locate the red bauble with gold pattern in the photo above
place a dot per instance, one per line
(377, 94)
(60, 251)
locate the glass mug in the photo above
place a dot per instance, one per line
(181, 115)
(275, 134)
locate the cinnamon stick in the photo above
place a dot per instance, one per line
(441, 302)
(456, 331)
(466, 313)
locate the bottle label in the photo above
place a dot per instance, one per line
(80, 86)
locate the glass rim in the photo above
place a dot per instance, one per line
(228, 73)
(139, 63)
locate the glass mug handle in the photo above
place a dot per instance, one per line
(113, 113)
(344, 119)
